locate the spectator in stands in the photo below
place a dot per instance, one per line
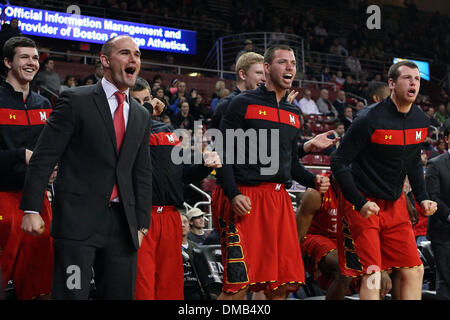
(353, 64)
(306, 104)
(97, 75)
(170, 60)
(438, 187)
(157, 78)
(305, 131)
(324, 104)
(69, 82)
(434, 122)
(376, 78)
(196, 219)
(48, 77)
(180, 93)
(248, 47)
(320, 31)
(347, 118)
(335, 60)
(194, 107)
(359, 105)
(339, 132)
(441, 115)
(350, 85)
(192, 285)
(230, 76)
(333, 79)
(340, 103)
(159, 93)
(205, 111)
(219, 86)
(9, 30)
(277, 37)
(340, 78)
(223, 93)
(183, 119)
(325, 74)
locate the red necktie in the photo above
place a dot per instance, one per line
(119, 128)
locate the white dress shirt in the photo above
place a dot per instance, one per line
(307, 106)
(110, 89)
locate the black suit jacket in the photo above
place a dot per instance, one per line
(438, 187)
(79, 135)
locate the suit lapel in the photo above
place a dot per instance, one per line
(132, 129)
(103, 107)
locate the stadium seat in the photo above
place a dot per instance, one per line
(320, 171)
(317, 128)
(307, 159)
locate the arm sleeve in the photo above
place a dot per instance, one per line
(355, 140)
(142, 180)
(298, 171)
(417, 180)
(50, 146)
(174, 107)
(194, 173)
(233, 119)
(434, 189)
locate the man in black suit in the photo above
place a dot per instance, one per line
(99, 137)
(438, 186)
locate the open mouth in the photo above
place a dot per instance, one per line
(130, 70)
(287, 76)
(29, 70)
(411, 92)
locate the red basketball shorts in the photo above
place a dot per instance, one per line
(160, 274)
(260, 250)
(377, 243)
(25, 259)
(314, 248)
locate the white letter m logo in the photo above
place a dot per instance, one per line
(43, 116)
(418, 135)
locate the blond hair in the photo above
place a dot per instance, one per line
(245, 61)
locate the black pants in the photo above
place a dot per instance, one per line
(109, 252)
(442, 257)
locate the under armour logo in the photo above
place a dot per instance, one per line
(43, 116)
(278, 187)
(292, 118)
(12, 116)
(262, 112)
(160, 209)
(388, 137)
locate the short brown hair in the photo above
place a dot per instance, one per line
(9, 48)
(270, 52)
(246, 60)
(393, 72)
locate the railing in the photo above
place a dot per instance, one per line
(224, 52)
(337, 62)
(146, 64)
(302, 83)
